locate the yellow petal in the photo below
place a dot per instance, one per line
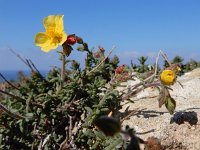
(59, 24)
(42, 40)
(54, 21)
(48, 48)
(64, 38)
(168, 77)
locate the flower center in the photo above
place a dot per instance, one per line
(56, 37)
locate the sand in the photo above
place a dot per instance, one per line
(157, 122)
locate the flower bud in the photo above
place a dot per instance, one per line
(168, 77)
(101, 49)
(120, 69)
(97, 55)
(71, 39)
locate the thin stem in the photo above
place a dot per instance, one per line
(24, 61)
(14, 115)
(165, 57)
(102, 61)
(63, 68)
(130, 114)
(9, 82)
(14, 96)
(156, 65)
(70, 127)
(32, 64)
(20, 99)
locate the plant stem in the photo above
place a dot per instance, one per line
(101, 61)
(8, 82)
(63, 68)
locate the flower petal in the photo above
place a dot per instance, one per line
(54, 21)
(42, 40)
(64, 38)
(49, 47)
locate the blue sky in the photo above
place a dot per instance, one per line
(135, 27)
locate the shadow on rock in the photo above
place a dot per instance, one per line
(181, 117)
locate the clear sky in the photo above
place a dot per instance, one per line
(135, 27)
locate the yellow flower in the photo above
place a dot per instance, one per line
(54, 35)
(168, 77)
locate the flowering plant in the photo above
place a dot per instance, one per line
(70, 108)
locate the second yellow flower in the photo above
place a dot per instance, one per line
(168, 77)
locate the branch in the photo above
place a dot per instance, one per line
(32, 64)
(9, 82)
(130, 114)
(101, 61)
(24, 61)
(23, 101)
(14, 96)
(165, 57)
(29, 65)
(14, 115)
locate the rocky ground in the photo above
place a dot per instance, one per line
(176, 131)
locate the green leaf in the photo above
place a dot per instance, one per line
(88, 109)
(114, 144)
(100, 135)
(104, 109)
(164, 93)
(170, 104)
(95, 145)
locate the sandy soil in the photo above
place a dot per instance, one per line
(157, 122)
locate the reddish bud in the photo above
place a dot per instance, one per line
(97, 55)
(101, 49)
(120, 69)
(71, 39)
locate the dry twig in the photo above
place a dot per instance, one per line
(102, 61)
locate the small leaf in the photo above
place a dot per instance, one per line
(67, 49)
(164, 93)
(95, 145)
(104, 109)
(88, 109)
(170, 104)
(108, 125)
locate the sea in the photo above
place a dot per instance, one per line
(12, 75)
